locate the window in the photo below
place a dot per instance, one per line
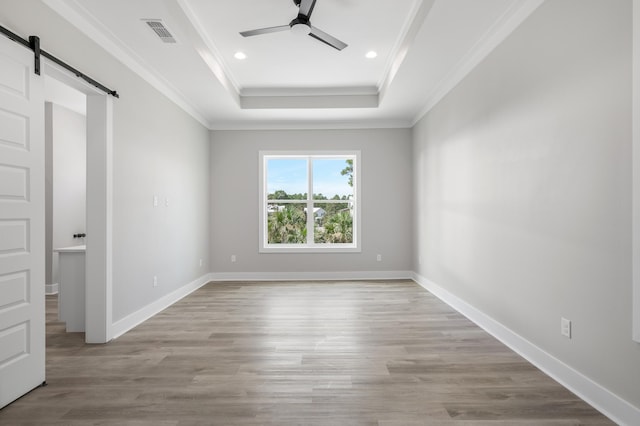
(309, 202)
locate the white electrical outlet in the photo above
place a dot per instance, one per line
(166, 202)
(155, 281)
(200, 262)
(155, 201)
(379, 258)
(233, 257)
(565, 327)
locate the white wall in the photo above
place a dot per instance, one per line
(69, 162)
(158, 149)
(386, 202)
(522, 181)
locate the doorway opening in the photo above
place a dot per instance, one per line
(65, 196)
(65, 174)
(98, 201)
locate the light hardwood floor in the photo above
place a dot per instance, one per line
(299, 353)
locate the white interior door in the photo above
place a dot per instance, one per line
(22, 332)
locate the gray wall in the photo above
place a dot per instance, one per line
(158, 149)
(386, 200)
(522, 181)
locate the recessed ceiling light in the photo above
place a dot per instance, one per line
(240, 55)
(371, 54)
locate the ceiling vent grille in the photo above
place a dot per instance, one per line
(161, 30)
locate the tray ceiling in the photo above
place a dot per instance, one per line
(424, 48)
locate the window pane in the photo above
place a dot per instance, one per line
(286, 179)
(333, 223)
(286, 224)
(332, 179)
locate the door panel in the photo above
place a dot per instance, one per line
(22, 333)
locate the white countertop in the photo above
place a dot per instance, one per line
(73, 249)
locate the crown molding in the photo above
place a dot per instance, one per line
(504, 26)
(76, 15)
(296, 98)
(206, 48)
(252, 98)
(311, 125)
(421, 9)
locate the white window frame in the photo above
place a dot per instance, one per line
(310, 247)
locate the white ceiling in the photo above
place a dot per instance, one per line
(425, 47)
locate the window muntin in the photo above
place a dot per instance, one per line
(293, 184)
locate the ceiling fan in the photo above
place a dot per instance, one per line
(301, 24)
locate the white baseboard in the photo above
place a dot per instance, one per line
(609, 404)
(311, 276)
(50, 289)
(120, 327)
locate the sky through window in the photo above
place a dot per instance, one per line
(290, 175)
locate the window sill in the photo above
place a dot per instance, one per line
(299, 248)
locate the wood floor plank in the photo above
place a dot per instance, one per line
(296, 353)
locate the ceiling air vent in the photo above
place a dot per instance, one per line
(161, 30)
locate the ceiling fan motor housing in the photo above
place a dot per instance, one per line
(300, 25)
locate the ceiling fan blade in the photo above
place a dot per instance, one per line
(265, 30)
(306, 8)
(326, 38)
